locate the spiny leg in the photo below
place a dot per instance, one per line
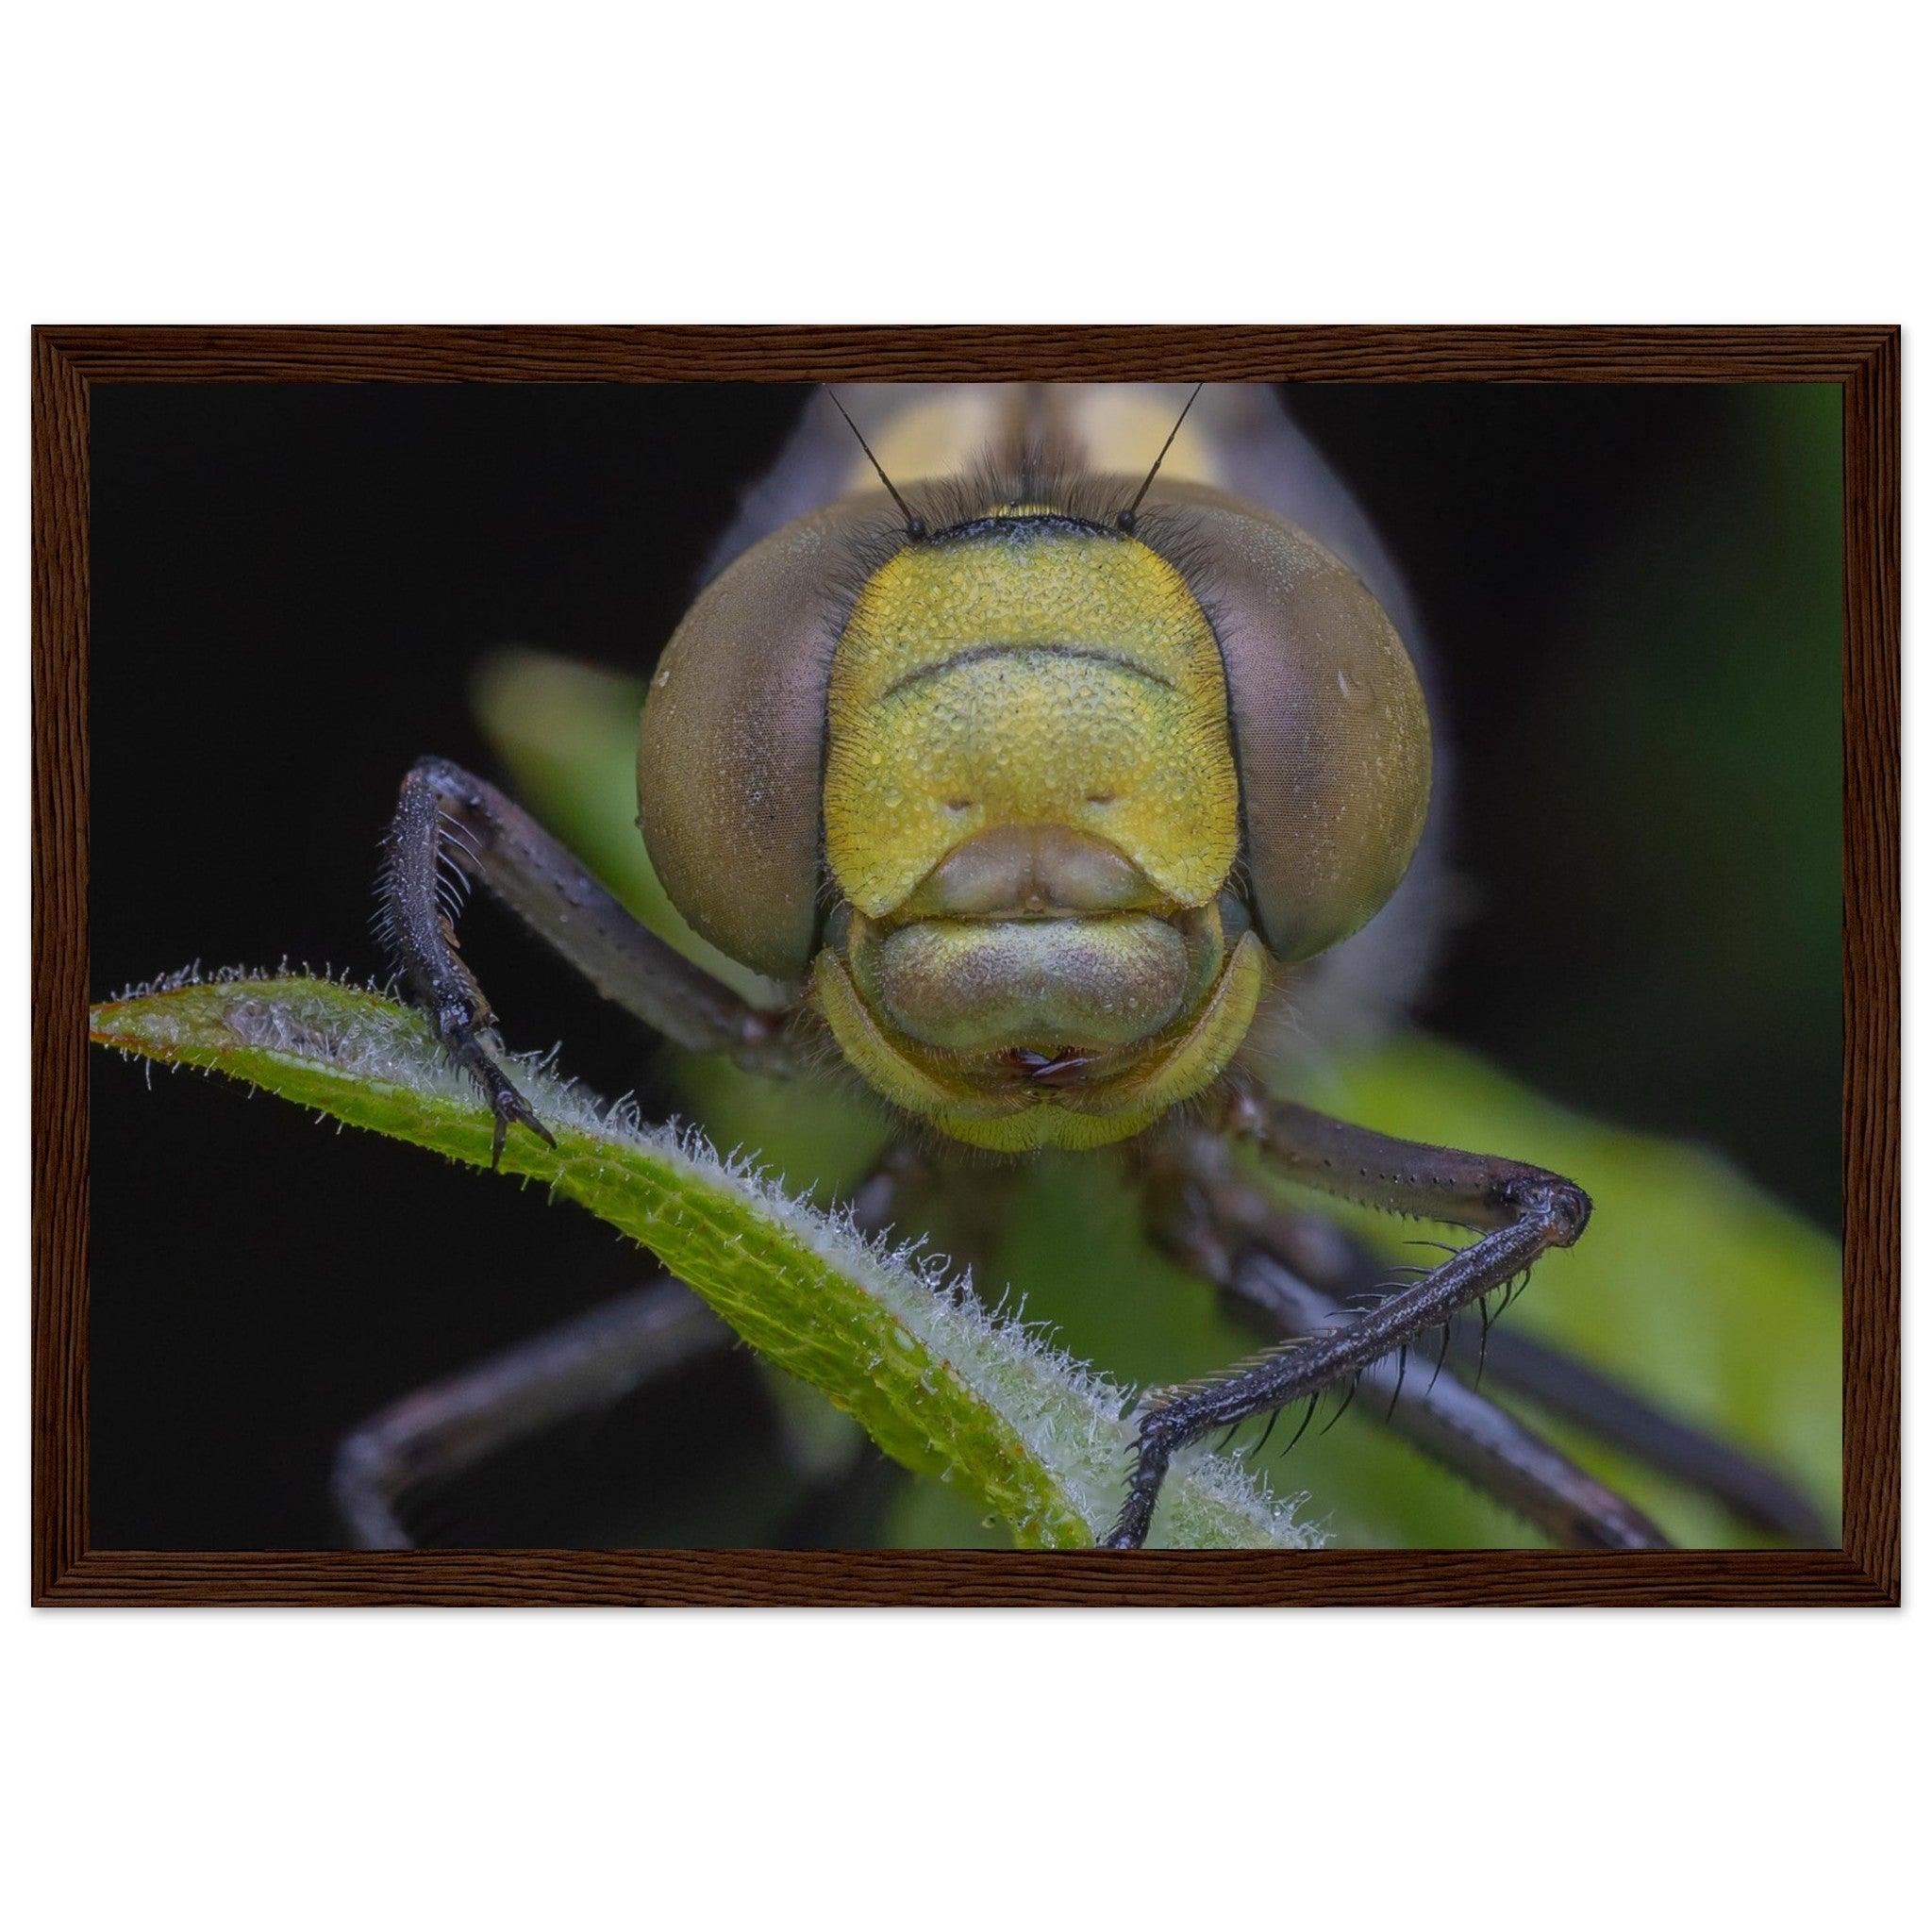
(1296, 1279)
(1526, 1211)
(1465, 1431)
(1564, 1385)
(1506, 1359)
(438, 1432)
(450, 829)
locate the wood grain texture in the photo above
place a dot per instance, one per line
(67, 362)
(964, 1577)
(965, 355)
(60, 775)
(1871, 1131)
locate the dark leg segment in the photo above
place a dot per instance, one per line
(436, 1433)
(440, 1431)
(1569, 1388)
(1527, 1211)
(1475, 1190)
(451, 829)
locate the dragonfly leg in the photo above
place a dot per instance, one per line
(1506, 1360)
(612, 1351)
(450, 829)
(1520, 1213)
(438, 1432)
(1558, 1381)
(1299, 1280)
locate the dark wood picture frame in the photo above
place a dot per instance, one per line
(68, 363)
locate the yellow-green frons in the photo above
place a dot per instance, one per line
(1032, 676)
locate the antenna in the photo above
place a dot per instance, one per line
(915, 526)
(1125, 519)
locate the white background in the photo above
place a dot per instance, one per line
(1200, 162)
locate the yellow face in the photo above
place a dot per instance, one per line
(1031, 809)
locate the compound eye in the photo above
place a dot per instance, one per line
(1330, 727)
(731, 746)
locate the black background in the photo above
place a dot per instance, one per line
(291, 584)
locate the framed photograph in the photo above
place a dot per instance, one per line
(962, 966)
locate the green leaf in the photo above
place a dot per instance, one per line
(937, 1382)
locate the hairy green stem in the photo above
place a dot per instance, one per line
(885, 1333)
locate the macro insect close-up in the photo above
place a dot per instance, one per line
(1225, 989)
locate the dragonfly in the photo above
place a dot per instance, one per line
(1062, 758)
